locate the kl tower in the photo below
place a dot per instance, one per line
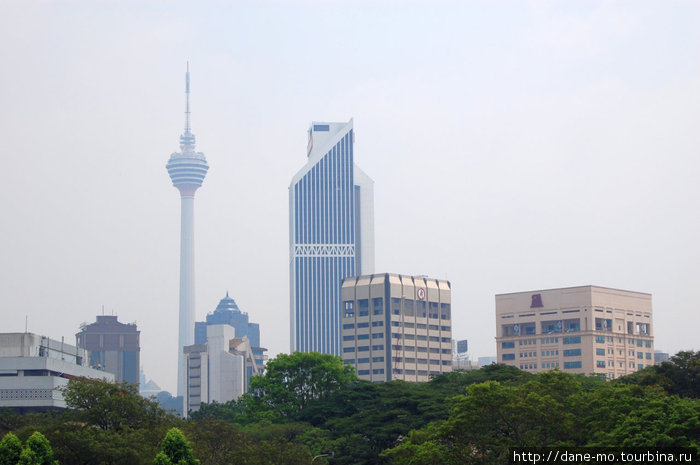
(187, 170)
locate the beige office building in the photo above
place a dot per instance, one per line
(396, 326)
(586, 329)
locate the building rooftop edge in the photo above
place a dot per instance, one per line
(572, 287)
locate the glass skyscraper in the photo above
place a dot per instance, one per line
(331, 235)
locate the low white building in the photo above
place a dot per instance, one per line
(34, 368)
(218, 370)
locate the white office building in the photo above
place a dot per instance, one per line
(34, 369)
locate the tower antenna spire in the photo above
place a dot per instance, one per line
(187, 99)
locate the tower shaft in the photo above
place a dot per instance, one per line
(187, 314)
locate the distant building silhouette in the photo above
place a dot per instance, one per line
(113, 347)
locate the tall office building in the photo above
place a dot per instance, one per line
(112, 346)
(187, 170)
(397, 326)
(585, 329)
(331, 235)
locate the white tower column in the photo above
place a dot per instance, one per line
(186, 326)
(187, 170)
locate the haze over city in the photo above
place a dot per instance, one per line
(514, 146)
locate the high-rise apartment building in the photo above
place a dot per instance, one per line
(331, 235)
(396, 326)
(585, 329)
(112, 346)
(187, 169)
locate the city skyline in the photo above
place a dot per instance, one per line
(514, 146)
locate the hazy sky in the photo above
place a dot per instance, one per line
(514, 146)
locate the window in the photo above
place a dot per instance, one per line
(380, 323)
(364, 307)
(378, 371)
(647, 344)
(363, 349)
(349, 311)
(508, 357)
(349, 326)
(378, 336)
(408, 307)
(361, 337)
(362, 372)
(572, 365)
(349, 361)
(348, 349)
(377, 306)
(445, 312)
(363, 360)
(648, 355)
(600, 351)
(363, 325)
(378, 359)
(572, 340)
(378, 347)
(640, 355)
(349, 338)
(508, 345)
(572, 352)
(640, 343)
(395, 305)
(600, 339)
(600, 363)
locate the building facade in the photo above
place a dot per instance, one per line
(331, 235)
(586, 329)
(228, 313)
(113, 347)
(396, 326)
(34, 369)
(187, 170)
(220, 369)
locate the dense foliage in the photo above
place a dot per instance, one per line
(309, 405)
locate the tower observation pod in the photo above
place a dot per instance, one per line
(187, 170)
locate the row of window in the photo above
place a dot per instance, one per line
(364, 324)
(639, 342)
(377, 371)
(361, 337)
(420, 349)
(363, 348)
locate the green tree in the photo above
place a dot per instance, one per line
(37, 451)
(175, 450)
(10, 449)
(291, 382)
(680, 375)
(112, 406)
